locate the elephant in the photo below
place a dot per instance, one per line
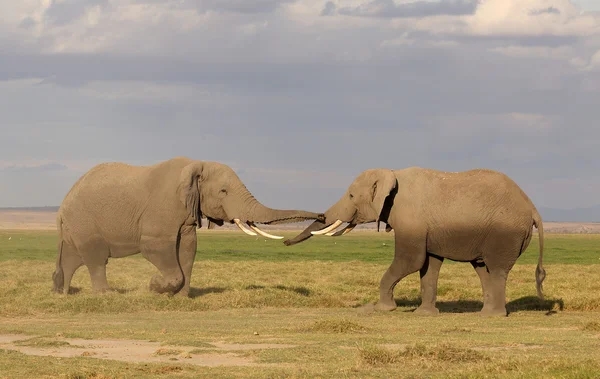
(479, 216)
(116, 210)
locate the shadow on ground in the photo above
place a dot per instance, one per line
(299, 290)
(197, 292)
(527, 303)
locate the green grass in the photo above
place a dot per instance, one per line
(309, 296)
(369, 247)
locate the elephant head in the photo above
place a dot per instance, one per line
(366, 200)
(214, 190)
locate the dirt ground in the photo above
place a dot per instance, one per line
(46, 220)
(217, 354)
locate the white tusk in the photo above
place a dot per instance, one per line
(263, 233)
(327, 229)
(339, 233)
(243, 228)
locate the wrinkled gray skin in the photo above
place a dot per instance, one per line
(116, 210)
(477, 216)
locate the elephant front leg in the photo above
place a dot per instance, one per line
(409, 258)
(429, 278)
(187, 256)
(163, 255)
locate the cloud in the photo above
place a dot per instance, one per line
(241, 6)
(540, 52)
(519, 18)
(389, 8)
(66, 11)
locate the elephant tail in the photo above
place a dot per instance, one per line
(540, 273)
(58, 276)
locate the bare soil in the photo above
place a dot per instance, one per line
(220, 354)
(46, 220)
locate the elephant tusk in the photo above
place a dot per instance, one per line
(262, 232)
(327, 229)
(340, 233)
(243, 228)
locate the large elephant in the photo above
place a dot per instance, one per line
(477, 216)
(116, 210)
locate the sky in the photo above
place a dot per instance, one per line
(300, 96)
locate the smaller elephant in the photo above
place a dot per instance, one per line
(478, 216)
(116, 210)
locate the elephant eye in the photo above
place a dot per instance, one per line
(223, 190)
(351, 196)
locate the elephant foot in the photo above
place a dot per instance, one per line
(159, 285)
(494, 312)
(385, 307)
(427, 311)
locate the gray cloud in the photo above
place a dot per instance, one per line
(65, 12)
(548, 10)
(233, 6)
(27, 23)
(240, 6)
(388, 8)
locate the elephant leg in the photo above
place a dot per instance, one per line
(429, 279)
(493, 283)
(187, 255)
(409, 257)
(95, 256)
(70, 261)
(484, 277)
(163, 255)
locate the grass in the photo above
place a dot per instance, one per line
(335, 326)
(374, 355)
(362, 246)
(42, 342)
(248, 291)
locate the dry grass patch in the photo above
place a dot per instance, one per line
(375, 355)
(41, 342)
(593, 326)
(165, 351)
(335, 326)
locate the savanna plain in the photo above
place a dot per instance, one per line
(263, 310)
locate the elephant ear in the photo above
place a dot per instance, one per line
(384, 183)
(189, 191)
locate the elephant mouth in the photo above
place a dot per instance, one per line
(332, 230)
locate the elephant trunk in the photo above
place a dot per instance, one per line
(340, 211)
(306, 233)
(264, 215)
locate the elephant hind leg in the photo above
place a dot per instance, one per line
(70, 261)
(493, 283)
(409, 257)
(95, 255)
(163, 255)
(429, 280)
